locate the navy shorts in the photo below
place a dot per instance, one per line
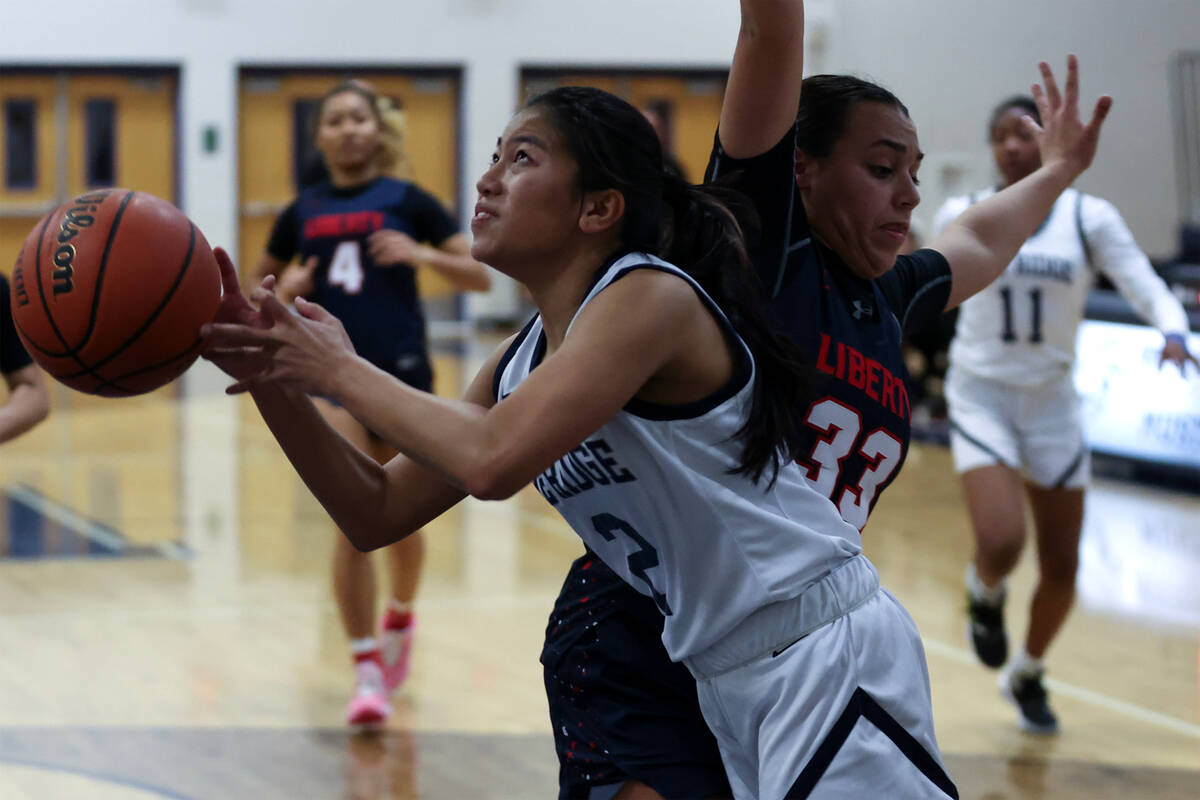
(620, 708)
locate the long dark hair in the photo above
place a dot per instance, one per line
(825, 103)
(695, 228)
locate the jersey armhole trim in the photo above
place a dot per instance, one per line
(508, 357)
(743, 367)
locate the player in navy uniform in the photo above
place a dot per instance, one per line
(358, 237)
(834, 186)
(28, 401)
(654, 409)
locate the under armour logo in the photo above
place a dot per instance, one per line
(861, 311)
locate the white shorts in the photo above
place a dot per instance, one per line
(842, 712)
(1036, 430)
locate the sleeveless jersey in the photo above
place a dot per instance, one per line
(1021, 329)
(378, 306)
(850, 329)
(651, 494)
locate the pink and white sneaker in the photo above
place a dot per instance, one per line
(396, 647)
(369, 706)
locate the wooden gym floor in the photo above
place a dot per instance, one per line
(168, 630)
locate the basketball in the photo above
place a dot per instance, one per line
(110, 289)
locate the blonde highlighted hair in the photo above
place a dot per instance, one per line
(392, 159)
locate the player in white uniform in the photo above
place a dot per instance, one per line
(1014, 413)
(662, 430)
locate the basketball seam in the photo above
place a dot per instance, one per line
(187, 261)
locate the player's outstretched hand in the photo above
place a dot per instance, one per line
(301, 350)
(235, 309)
(1063, 137)
(1177, 353)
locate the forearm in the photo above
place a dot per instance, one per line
(347, 482)
(981, 242)
(450, 437)
(26, 407)
(460, 269)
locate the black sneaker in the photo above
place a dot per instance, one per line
(986, 631)
(1029, 696)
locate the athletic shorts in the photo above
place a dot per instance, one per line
(1036, 430)
(825, 696)
(620, 708)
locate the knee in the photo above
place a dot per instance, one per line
(1000, 542)
(1060, 568)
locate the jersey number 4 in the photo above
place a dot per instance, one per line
(643, 559)
(346, 270)
(840, 426)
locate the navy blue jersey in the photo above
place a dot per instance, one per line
(850, 329)
(378, 305)
(12, 353)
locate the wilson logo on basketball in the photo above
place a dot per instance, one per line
(64, 256)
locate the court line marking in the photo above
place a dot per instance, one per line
(1173, 724)
(963, 656)
(88, 528)
(102, 777)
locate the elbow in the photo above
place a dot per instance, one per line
(490, 481)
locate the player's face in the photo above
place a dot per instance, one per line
(348, 133)
(529, 197)
(1013, 146)
(860, 197)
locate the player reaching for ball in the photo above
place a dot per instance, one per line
(653, 407)
(359, 238)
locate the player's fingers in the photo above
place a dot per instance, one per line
(313, 311)
(1039, 99)
(1051, 85)
(1072, 86)
(270, 304)
(1103, 106)
(229, 277)
(224, 335)
(310, 263)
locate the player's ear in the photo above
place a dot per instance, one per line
(804, 167)
(601, 210)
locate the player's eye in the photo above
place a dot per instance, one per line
(521, 155)
(879, 171)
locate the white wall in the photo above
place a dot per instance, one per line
(950, 60)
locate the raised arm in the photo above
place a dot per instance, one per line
(979, 244)
(763, 91)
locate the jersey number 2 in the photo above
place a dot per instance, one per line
(840, 425)
(646, 558)
(345, 270)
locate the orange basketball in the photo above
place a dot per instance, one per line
(110, 290)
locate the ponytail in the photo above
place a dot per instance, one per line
(699, 229)
(704, 235)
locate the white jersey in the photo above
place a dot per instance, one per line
(1021, 329)
(651, 494)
